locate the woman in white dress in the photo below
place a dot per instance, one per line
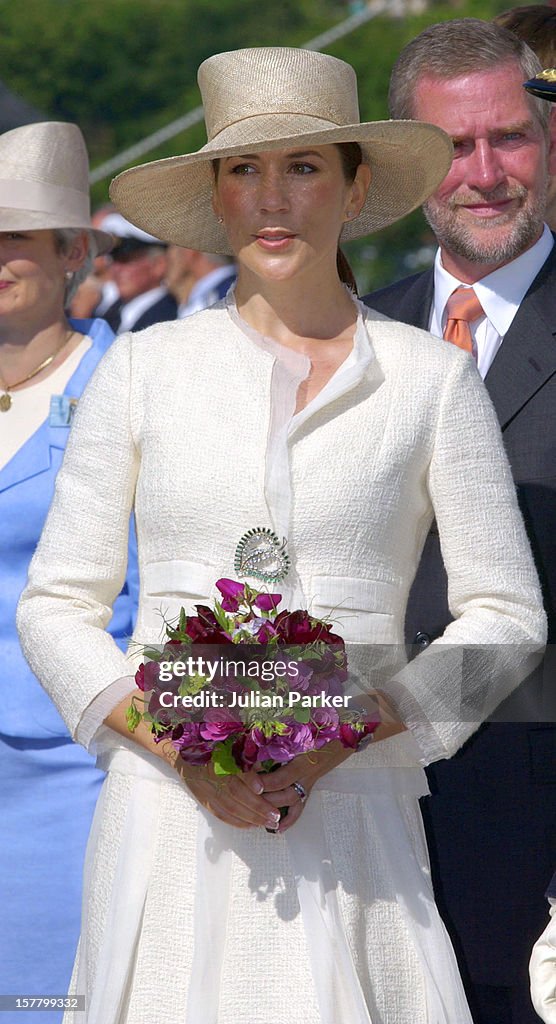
(287, 406)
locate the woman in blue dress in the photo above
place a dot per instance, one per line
(49, 785)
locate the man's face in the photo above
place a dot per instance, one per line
(179, 266)
(491, 205)
(138, 272)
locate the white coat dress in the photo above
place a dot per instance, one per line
(187, 920)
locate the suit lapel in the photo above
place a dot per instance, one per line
(415, 306)
(32, 458)
(527, 356)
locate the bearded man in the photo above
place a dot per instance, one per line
(492, 817)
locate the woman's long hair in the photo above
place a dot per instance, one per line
(352, 156)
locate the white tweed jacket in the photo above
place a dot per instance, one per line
(174, 425)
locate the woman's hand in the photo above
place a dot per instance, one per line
(234, 799)
(304, 770)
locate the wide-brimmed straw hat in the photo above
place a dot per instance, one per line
(543, 85)
(279, 98)
(44, 180)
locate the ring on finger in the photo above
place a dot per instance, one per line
(300, 790)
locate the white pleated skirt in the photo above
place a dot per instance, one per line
(190, 921)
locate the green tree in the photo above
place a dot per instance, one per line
(122, 69)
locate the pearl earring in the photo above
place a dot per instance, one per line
(68, 274)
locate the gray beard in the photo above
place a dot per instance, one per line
(463, 241)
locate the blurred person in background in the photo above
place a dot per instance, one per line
(535, 24)
(139, 268)
(98, 292)
(49, 784)
(543, 964)
(197, 279)
(491, 820)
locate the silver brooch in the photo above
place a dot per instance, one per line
(262, 555)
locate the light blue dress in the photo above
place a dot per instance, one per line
(49, 785)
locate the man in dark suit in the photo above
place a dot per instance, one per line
(139, 267)
(491, 822)
(197, 279)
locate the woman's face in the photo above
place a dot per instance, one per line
(284, 210)
(32, 274)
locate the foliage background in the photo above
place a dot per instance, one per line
(123, 68)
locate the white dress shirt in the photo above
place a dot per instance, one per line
(499, 293)
(204, 292)
(132, 310)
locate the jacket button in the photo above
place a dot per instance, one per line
(422, 640)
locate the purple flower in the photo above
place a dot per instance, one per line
(324, 726)
(265, 632)
(219, 723)
(162, 715)
(267, 602)
(351, 733)
(187, 739)
(245, 751)
(299, 675)
(233, 594)
(297, 739)
(301, 628)
(146, 676)
(248, 627)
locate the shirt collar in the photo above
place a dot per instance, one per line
(501, 292)
(196, 300)
(132, 310)
(298, 364)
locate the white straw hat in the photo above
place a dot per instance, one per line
(44, 180)
(276, 98)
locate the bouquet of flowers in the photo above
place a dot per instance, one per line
(242, 684)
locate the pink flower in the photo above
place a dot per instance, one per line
(267, 602)
(233, 594)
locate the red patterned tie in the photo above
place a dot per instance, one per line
(462, 308)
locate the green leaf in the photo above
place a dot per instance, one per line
(222, 619)
(302, 715)
(132, 717)
(223, 761)
(151, 654)
(157, 727)
(191, 685)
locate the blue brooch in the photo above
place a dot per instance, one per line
(262, 555)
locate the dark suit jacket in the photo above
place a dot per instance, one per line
(165, 308)
(492, 822)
